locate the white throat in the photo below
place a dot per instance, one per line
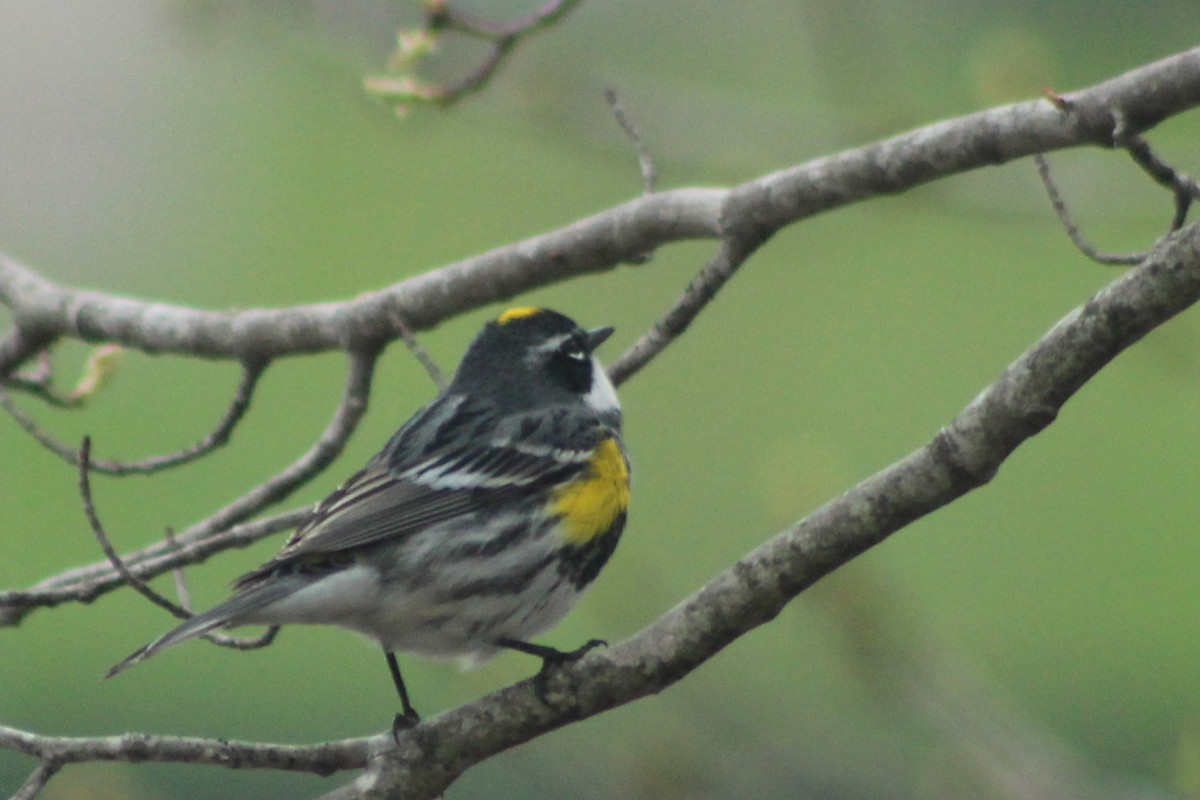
(602, 396)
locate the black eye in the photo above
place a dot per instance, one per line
(573, 349)
(571, 365)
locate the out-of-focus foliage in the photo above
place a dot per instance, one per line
(224, 154)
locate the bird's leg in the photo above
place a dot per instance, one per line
(408, 716)
(550, 656)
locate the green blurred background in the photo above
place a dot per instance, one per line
(1036, 637)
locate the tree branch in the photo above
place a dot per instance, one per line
(54, 752)
(1139, 99)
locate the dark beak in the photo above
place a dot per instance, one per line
(596, 337)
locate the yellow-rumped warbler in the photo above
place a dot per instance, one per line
(478, 525)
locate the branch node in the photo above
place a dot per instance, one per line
(1184, 187)
(402, 89)
(1059, 101)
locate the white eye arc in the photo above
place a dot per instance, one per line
(573, 349)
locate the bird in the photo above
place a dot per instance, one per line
(476, 527)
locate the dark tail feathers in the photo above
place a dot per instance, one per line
(217, 617)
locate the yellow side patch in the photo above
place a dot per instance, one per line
(517, 313)
(591, 505)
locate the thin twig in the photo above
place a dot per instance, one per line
(1184, 188)
(42, 391)
(88, 582)
(216, 438)
(181, 587)
(220, 530)
(36, 382)
(441, 15)
(20, 344)
(732, 253)
(417, 349)
(1183, 204)
(140, 586)
(1068, 222)
(114, 558)
(645, 162)
(30, 426)
(350, 409)
(37, 780)
(264, 639)
(228, 640)
(503, 37)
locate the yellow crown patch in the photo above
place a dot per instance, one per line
(517, 313)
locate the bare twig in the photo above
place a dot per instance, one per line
(1068, 222)
(418, 350)
(1183, 204)
(321, 759)
(21, 343)
(703, 288)
(215, 439)
(645, 162)
(398, 85)
(442, 15)
(228, 640)
(35, 387)
(140, 586)
(84, 584)
(218, 531)
(37, 383)
(181, 587)
(30, 426)
(37, 780)
(89, 508)
(329, 445)
(1183, 186)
